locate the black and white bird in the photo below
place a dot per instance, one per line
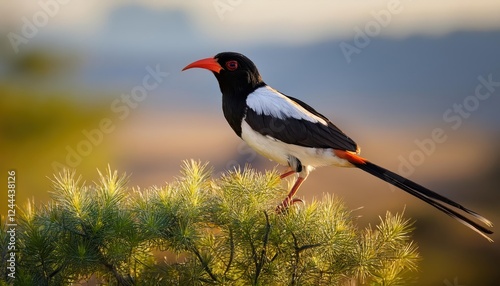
(290, 132)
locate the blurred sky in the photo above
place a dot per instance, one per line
(415, 60)
(438, 45)
(295, 22)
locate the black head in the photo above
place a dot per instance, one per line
(236, 74)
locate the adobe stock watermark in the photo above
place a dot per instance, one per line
(248, 154)
(122, 107)
(31, 26)
(223, 6)
(454, 117)
(362, 37)
(11, 225)
(245, 151)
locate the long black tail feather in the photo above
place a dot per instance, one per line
(434, 199)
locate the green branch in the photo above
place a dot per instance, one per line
(216, 231)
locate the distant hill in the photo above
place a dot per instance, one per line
(418, 76)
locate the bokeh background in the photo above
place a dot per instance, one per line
(389, 73)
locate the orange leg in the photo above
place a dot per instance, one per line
(294, 166)
(287, 173)
(289, 200)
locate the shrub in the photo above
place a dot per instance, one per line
(222, 231)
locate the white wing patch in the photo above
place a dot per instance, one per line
(268, 101)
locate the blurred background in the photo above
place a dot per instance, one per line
(84, 84)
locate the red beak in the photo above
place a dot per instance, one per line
(208, 63)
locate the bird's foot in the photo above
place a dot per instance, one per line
(283, 207)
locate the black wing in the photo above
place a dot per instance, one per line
(300, 132)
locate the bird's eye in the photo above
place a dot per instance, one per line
(231, 65)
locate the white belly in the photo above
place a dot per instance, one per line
(279, 151)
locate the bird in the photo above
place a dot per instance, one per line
(292, 133)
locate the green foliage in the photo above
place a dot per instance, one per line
(210, 231)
